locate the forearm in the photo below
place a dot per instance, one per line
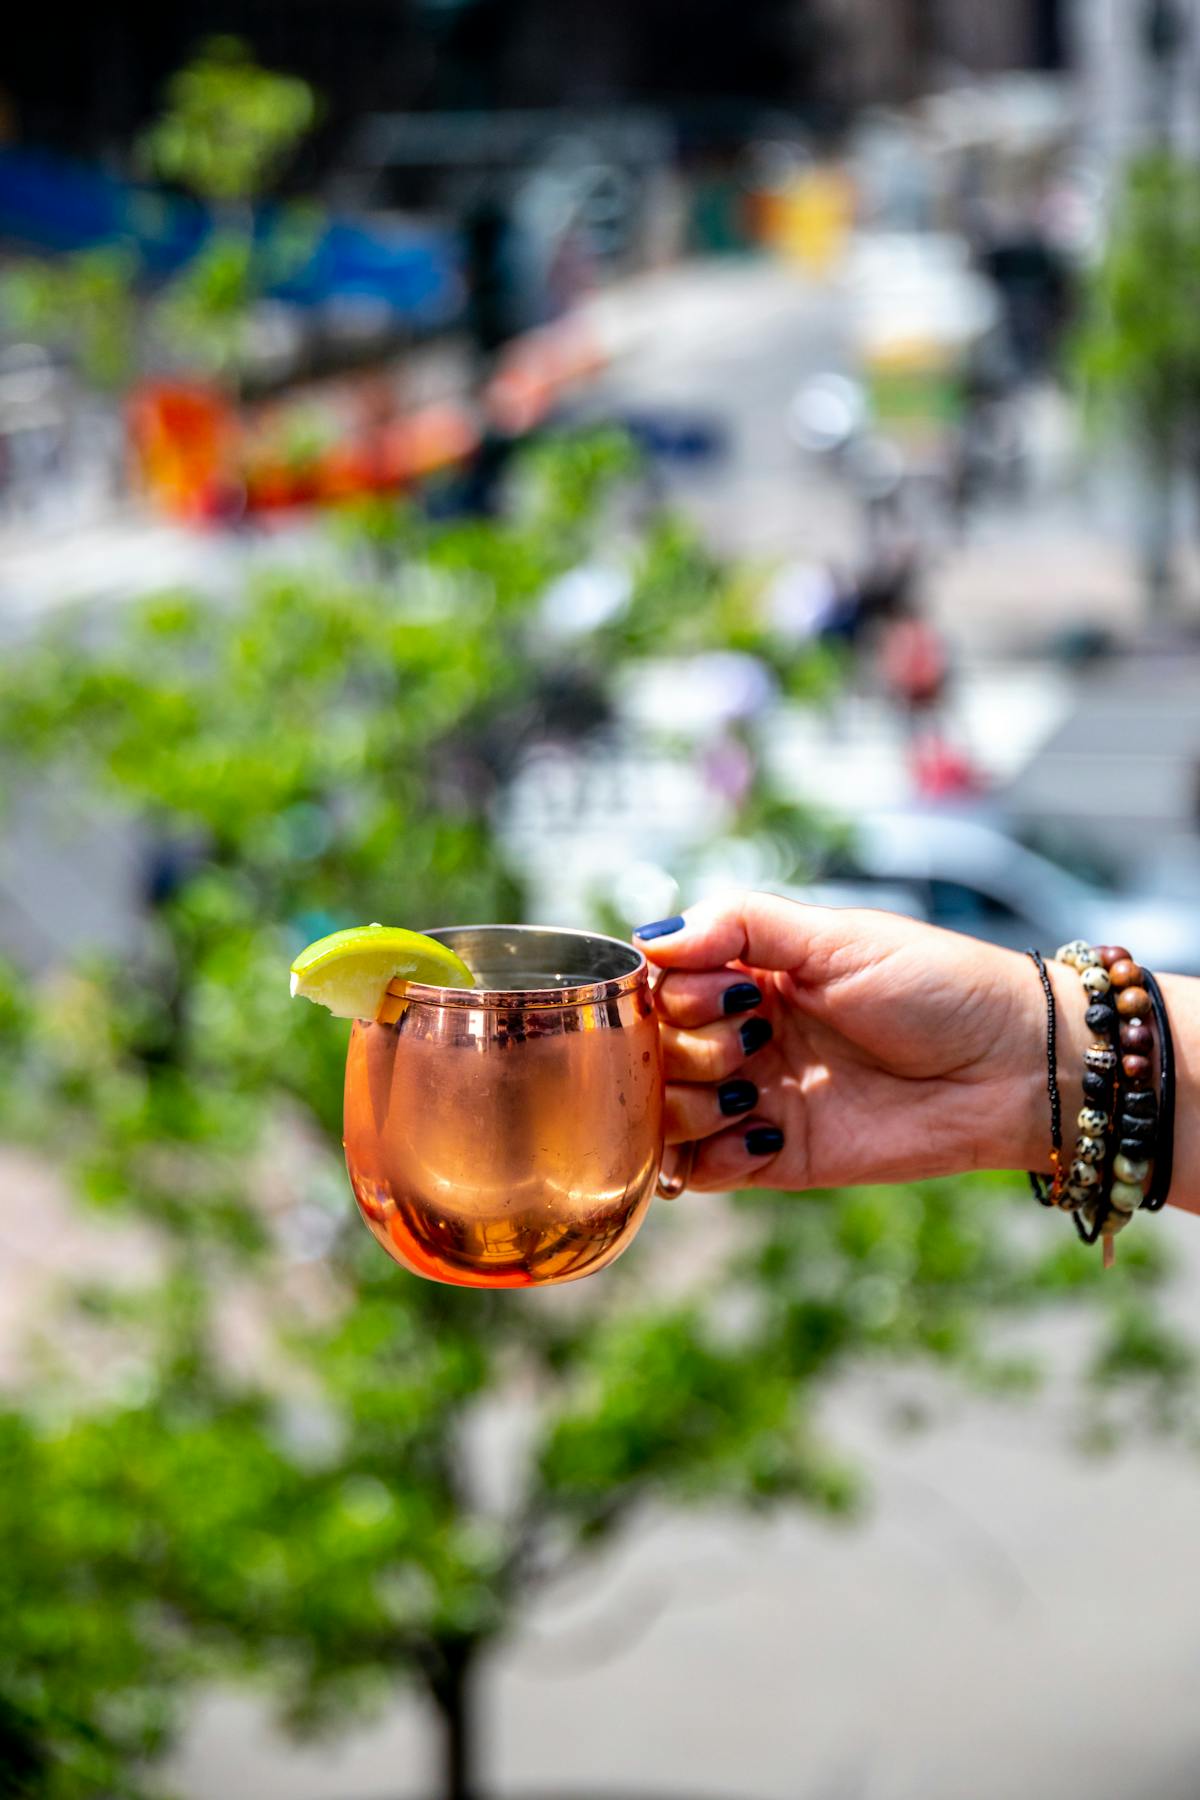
(1182, 995)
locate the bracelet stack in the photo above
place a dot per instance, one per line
(1121, 1157)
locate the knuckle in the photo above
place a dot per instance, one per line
(723, 1055)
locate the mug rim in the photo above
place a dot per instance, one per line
(584, 993)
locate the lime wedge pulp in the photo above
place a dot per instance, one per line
(349, 971)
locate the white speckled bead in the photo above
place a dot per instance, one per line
(1091, 1121)
(1086, 958)
(1096, 980)
(1100, 1057)
(1070, 951)
(1125, 1196)
(1125, 1169)
(1090, 1149)
(1083, 1174)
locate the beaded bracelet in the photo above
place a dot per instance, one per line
(1087, 1180)
(1105, 1189)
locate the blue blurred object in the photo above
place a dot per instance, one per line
(677, 436)
(50, 203)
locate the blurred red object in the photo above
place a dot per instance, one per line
(914, 663)
(941, 770)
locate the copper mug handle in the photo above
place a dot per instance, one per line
(671, 1186)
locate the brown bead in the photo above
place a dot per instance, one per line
(1125, 973)
(1110, 954)
(1137, 1069)
(1137, 1037)
(1133, 1003)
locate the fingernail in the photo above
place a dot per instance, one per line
(736, 1097)
(740, 997)
(763, 1140)
(660, 927)
(754, 1034)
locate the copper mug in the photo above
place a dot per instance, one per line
(511, 1134)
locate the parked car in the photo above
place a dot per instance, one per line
(973, 876)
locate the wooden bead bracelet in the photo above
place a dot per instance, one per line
(1121, 1160)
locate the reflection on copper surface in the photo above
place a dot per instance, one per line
(507, 1138)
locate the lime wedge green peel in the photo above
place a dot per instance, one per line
(349, 971)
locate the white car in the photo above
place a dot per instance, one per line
(969, 875)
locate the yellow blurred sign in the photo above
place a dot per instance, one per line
(809, 217)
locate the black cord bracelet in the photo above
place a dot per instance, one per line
(1041, 1192)
(1164, 1160)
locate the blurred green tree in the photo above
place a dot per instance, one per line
(86, 305)
(84, 1699)
(1137, 348)
(229, 126)
(227, 132)
(323, 750)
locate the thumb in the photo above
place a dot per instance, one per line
(759, 929)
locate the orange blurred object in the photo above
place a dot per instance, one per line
(184, 438)
(197, 458)
(535, 370)
(426, 441)
(349, 469)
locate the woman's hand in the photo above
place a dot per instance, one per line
(877, 1048)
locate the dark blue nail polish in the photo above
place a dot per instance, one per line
(734, 1097)
(740, 997)
(754, 1034)
(660, 928)
(763, 1140)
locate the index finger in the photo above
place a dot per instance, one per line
(761, 931)
(764, 931)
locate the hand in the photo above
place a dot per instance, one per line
(881, 1049)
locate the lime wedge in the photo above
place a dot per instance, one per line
(349, 971)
